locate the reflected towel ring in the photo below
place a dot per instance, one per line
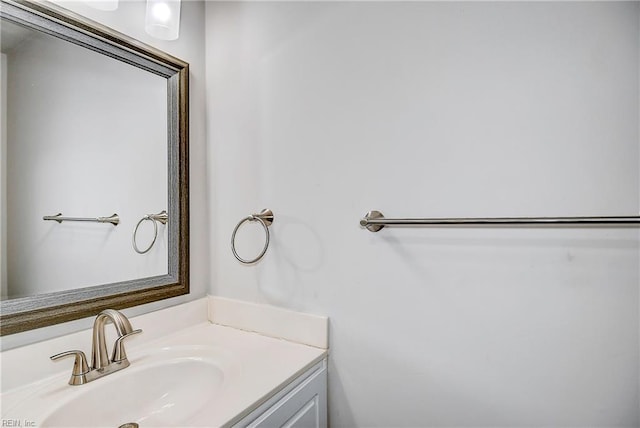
(265, 218)
(161, 217)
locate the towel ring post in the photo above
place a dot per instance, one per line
(265, 218)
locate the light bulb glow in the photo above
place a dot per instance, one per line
(163, 19)
(161, 12)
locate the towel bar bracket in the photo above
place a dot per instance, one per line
(372, 215)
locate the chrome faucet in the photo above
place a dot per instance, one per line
(101, 364)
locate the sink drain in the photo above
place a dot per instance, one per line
(129, 425)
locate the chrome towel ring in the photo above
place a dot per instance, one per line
(161, 217)
(265, 218)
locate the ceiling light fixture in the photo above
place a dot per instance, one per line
(163, 19)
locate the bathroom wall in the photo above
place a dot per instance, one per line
(129, 19)
(324, 111)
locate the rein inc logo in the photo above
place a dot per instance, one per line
(17, 423)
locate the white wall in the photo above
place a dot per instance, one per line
(323, 111)
(129, 19)
(113, 160)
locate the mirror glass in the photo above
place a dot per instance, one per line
(93, 140)
(86, 136)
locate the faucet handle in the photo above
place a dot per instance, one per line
(80, 367)
(119, 353)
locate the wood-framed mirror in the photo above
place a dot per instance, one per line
(69, 148)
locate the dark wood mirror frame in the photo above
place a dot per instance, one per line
(28, 313)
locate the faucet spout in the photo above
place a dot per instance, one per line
(99, 355)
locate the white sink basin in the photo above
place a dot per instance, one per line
(169, 392)
(166, 387)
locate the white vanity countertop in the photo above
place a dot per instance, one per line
(258, 366)
(253, 366)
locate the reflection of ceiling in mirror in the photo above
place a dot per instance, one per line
(11, 35)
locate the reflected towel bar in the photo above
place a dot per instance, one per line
(373, 221)
(113, 219)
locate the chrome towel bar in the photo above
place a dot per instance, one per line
(373, 221)
(113, 219)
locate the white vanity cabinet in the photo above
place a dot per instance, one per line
(207, 375)
(300, 404)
